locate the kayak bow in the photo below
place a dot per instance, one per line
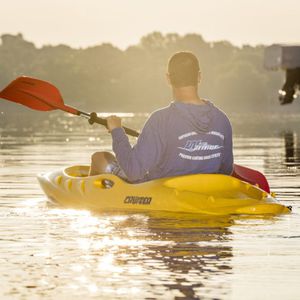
(213, 194)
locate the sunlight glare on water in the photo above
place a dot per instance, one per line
(48, 252)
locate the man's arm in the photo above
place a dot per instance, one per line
(138, 160)
(227, 160)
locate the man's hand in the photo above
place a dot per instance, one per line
(113, 122)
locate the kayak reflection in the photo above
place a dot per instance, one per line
(189, 255)
(161, 255)
(200, 254)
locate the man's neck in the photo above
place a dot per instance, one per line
(187, 94)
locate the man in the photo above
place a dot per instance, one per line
(189, 136)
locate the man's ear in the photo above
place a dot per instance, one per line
(199, 77)
(168, 78)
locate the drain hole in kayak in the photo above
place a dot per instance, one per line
(108, 184)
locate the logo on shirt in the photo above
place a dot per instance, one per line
(188, 134)
(197, 157)
(199, 145)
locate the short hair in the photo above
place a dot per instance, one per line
(183, 69)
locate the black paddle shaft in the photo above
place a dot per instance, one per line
(93, 118)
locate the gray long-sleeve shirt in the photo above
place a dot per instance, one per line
(179, 139)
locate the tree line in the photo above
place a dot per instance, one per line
(105, 78)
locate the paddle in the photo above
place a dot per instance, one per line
(252, 176)
(42, 95)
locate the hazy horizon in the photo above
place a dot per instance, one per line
(79, 23)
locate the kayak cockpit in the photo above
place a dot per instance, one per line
(77, 171)
(83, 172)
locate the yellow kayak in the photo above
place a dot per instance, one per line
(213, 194)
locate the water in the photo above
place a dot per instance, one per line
(47, 252)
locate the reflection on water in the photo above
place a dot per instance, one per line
(52, 253)
(292, 149)
(67, 252)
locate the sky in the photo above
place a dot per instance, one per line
(82, 23)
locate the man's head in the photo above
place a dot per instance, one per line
(183, 70)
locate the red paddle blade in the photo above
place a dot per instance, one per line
(252, 176)
(33, 93)
(36, 94)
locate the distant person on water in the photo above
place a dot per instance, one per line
(189, 136)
